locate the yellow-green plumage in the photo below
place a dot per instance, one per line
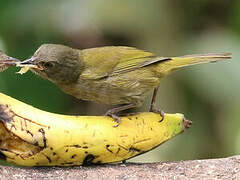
(110, 75)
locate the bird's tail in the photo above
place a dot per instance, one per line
(182, 61)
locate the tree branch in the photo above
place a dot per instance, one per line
(222, 168)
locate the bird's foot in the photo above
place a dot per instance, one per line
(154, 109)
(116, 118)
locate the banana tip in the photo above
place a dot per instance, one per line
(186, 123)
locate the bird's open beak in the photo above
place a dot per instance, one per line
(28, 63)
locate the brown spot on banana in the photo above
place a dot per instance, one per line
(67, 163)
(118, 151)
(107, 148)
(48, 158)
(28, 132)
(41, 130)
(122, 147)
(66, 131)
(2, 156)
(134, 149)
(73, 156)
(75, 146)
(88, 160)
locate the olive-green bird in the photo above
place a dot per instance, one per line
(114, 75)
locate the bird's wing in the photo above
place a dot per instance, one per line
(111, 60)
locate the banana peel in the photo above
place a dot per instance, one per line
(32, 137)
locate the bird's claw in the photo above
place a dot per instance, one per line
(116, 118)
(156, 110)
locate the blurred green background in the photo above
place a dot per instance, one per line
(207, 94)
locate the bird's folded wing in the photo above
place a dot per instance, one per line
(112, 60)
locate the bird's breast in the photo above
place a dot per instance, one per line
(121, 89)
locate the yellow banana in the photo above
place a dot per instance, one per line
(32, 137)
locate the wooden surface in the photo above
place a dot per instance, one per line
(223, 168)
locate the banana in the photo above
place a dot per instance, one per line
(32, 137)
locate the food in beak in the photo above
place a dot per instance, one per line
(26, 66)
(23, 70)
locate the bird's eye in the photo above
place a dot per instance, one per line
(46, 64)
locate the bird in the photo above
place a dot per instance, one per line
(114, 75)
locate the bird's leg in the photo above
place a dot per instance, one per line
(153, 107)
(112, 112)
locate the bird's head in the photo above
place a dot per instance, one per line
(57, 63)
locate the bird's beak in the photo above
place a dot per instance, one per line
(28, 63)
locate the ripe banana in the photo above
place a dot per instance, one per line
(32, 137)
